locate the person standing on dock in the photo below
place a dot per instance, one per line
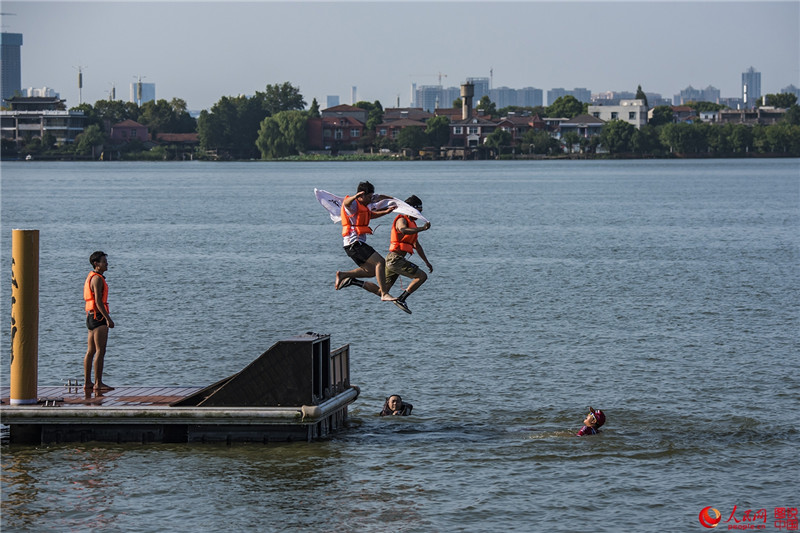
(98, 321)
(404, 240)
(355, 227)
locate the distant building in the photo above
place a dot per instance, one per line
(690, 94)
(148, 93)
(127, 131)
(37, 116)
(751, 87)
(40, 92)
(332, 100)
(481, 89)
(579, 93)
(791, 89)
(10, 45)
(631, 111)
(761, 115)
(354, 95)
(584, 125)
(555, 94)
(529, 97)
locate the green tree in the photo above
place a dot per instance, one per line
(283, 97)
(232, 126)
(412, 137)
(640, 95)
(313, 111)
(616, 136)
(115, 111)
(282, 134)
(570, 139)
(567, 107)
(645, 141)
(539, 142)
(89, 114)
(741, 138)
(498, 139)
(487, 106)
(784, 100)
(438, 131)
(91, 137)
(662, 114)
(684, 138)
(792, 115)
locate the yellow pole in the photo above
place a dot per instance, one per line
(24, 316)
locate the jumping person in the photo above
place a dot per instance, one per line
(404, 240)
(355, 228)
(98, 321)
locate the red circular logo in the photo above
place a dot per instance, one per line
(710, 517)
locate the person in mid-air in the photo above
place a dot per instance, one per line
(404, 240)
(592, 422)
(355, 228)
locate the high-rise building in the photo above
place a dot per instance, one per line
(148, 93)
(529, 97)
(10, 44)
(354, 96)
(751, 87)
(481, 88)
(791, 89)
(331, 100)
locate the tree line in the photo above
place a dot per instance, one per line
(272, 124)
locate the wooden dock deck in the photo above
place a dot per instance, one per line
(75, 396)
(297, 390)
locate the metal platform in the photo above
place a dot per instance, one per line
(297, 390)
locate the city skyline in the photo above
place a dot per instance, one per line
(201, 51)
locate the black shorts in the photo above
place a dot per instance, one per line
(359, 251)
(93, 323)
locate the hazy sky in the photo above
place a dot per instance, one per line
(201, 51)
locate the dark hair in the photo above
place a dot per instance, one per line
(414, 201)
(95, 257)
(366, 187)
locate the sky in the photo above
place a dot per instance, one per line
(201, 51)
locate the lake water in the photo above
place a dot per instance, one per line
(663, 292)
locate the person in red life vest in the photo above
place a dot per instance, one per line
(355, 228)
(98, 321)
(404, 240)
(592, 423)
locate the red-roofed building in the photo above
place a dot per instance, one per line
(334, 133)
(392, 129)
(128, 130)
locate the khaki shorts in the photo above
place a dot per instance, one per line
(397, 265)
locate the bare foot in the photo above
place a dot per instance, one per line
(388, 298)
(102, 387)
(88, 386)
(338, 281)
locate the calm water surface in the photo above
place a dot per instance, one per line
(664, 292)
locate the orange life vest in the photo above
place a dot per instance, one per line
(88, 294)
(358, 222)
(400, 241)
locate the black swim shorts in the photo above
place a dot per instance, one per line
(360, 252)
(93, 323)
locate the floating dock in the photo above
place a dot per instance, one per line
(298, 390)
